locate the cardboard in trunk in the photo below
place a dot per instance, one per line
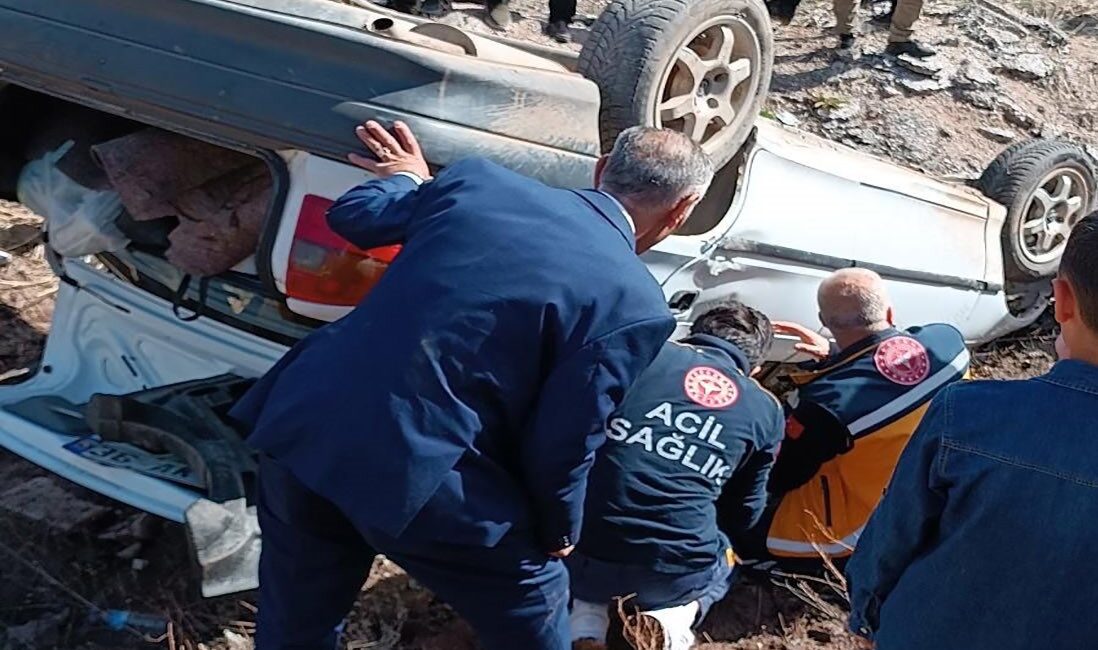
(219, 197)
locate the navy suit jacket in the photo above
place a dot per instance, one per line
(477, 377)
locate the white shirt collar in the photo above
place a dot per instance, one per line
(624, 212)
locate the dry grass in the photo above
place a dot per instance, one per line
(827, 593)
(642, 632)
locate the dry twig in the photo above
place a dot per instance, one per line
(642, 632)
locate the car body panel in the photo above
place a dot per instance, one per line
(257, 76)
(276, 81)
(111, 337)
(808, 195)
(311, 175)
(493, 46)
(792, 194)
(832, 216)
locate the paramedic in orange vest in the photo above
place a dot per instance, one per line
(851, 414)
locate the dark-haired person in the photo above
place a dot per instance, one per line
(850, 417)
(985, 537)
(694, 428)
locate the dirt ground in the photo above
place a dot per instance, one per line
(67, 552)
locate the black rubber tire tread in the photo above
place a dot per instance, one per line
(639, 37)
(1010, 180)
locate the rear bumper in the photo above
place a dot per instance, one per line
(46, 449)
(110, 337)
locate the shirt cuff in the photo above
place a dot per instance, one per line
(415, 178)
(557, 532)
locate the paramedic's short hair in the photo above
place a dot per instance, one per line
(1079, 266)
(853, 298)
(656, 166)
(746, 328)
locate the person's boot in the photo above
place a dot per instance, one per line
(499, 15)
(884, 18)
(433, 8)
(846, 42)
(782, 11)
(559, 31)
(910, 48)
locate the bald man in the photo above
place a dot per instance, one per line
(851, 415)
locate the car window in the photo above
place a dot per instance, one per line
(234, 299)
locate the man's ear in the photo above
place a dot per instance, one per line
(681, 212)
(1063, 305)
(600, 166)
(664, 224)
(890, 318)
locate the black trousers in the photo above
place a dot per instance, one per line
(558, 9)
(562, 10)
(314, 562)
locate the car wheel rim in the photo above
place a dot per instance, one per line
(711, 81)
(1053, 210)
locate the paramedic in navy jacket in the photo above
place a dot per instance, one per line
(449, 422)
(694, 428)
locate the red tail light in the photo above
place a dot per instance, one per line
(326, 269)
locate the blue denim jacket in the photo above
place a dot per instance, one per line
(987, 536)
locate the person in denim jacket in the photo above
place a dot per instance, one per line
(986, 535)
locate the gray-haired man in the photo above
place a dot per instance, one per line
(449, 422)
(850, 416)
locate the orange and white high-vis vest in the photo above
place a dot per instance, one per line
(846, 425)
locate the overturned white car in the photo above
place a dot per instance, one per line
(182, 281)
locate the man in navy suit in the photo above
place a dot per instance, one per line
(449, 422)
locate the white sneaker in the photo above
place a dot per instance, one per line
(671, 628)
(589, 621)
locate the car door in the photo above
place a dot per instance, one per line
(806, 207)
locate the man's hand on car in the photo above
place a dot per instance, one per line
(396, 152)
(812, 343)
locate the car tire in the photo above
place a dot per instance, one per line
(702, 67)
(1046, 187)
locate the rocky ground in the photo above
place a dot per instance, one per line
(998, 78)
(1001, 76)
(1005, 71)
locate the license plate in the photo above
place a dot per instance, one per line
(120, 454)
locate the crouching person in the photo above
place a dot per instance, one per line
(850, 418)
(694, 428)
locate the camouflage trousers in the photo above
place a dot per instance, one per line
(903, 18)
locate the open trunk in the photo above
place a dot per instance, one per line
(162, 319)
